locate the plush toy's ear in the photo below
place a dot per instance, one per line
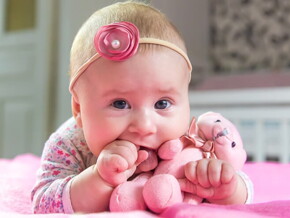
(168, 150)
(192, 135)
(192, 131)
(76, 110)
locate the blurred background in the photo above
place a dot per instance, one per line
(240, 51)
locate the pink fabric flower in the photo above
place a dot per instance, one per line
(117, 41)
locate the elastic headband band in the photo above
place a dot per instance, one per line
(107, 47)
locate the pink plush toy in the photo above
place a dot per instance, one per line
(219, 137)
(210, 136)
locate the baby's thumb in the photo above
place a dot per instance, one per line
(187, 186)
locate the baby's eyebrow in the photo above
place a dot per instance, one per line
(169, 90)
(111, 92)
(126, 91)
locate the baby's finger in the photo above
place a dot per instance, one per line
(190, 171)
(118, 163)
(187, 186)
(204, 192)
(202, 173)
(111, 167)
(214, 173)
(127, 150)
(118, 178)
(227, 173)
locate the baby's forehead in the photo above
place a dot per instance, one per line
(162, 52)
(112, 43)
(154, 69)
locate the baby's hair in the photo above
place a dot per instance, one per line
(150, 22)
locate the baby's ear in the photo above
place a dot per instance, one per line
(76, 110)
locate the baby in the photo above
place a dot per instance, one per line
(129, 83)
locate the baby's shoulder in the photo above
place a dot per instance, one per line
(67, 147)
(68, 125)
(68, 135)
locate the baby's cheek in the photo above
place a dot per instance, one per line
(178, 128)
(95, 148)
(99, 129)
(97, 142)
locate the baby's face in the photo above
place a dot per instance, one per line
(143, 100)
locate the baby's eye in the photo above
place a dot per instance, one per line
(162, 104)
(121, 104)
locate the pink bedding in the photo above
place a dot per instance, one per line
(271, 181)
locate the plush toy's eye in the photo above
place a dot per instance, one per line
(217, 121)
(233, 144)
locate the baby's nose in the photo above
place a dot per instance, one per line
(143, 123)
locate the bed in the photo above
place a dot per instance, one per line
(271, 182)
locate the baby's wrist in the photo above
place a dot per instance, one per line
(87, 183)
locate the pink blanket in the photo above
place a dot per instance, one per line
(271, 181)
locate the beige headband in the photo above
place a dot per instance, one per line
(96, 56)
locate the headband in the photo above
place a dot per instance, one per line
(118, 42)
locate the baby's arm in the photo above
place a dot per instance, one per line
(216, 181)
(91, 189)
(60, 162)
(65, 156)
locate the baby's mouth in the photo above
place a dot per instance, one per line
(141, 147)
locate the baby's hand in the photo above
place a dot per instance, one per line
(212, 179)
(118, 161)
